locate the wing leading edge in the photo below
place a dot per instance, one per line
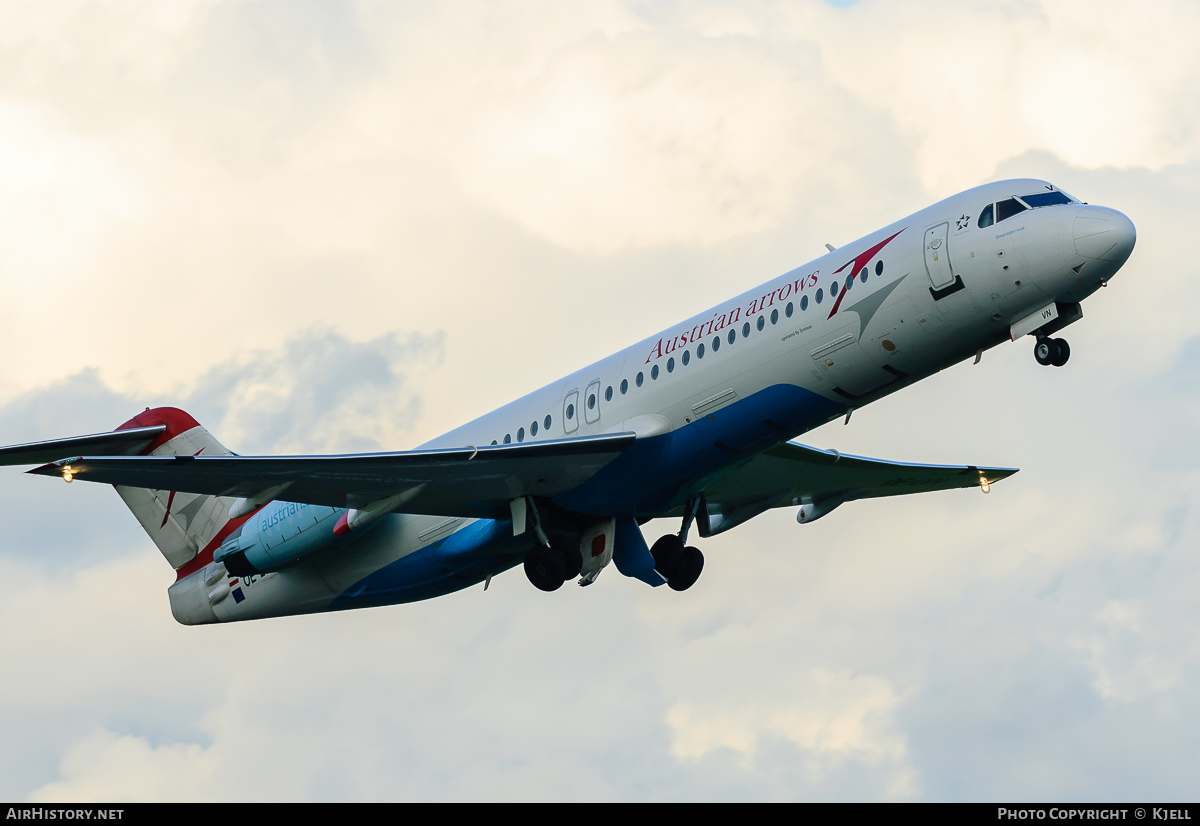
(467, 482)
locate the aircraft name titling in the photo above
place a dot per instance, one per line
(666, 346)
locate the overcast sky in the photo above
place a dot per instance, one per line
(331, 226)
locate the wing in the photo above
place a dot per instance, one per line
(791, 474)
(469, 482)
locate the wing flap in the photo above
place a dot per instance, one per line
(468, 482)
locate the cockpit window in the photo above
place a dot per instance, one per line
(1008, 208)
(987, 217)
(1042, 199)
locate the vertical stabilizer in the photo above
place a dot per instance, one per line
(181, 524)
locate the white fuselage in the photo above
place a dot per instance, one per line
(927, 291)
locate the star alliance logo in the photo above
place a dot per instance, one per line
(964, 221)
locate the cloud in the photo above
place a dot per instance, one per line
(105, 766)
(832, 718)
(319, 393)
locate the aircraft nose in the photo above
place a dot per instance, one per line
(1104, 234)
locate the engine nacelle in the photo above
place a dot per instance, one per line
(277, 536)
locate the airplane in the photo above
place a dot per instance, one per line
(694, 423)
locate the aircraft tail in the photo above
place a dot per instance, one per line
(182, 525)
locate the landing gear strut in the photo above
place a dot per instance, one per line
(1051, 351)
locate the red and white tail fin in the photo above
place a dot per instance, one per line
(181, 524)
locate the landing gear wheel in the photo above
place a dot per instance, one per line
(1064, 352)
(668, 553)
(1046, 351)
(545, 569)
(568, 552)
(689, 571)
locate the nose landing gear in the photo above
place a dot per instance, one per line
(1051, 351)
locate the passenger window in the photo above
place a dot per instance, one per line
(762, 322)
(654, 372)
(803, 303)
(732, 336)
(986, 218)
(774, 316)
(608, 393)
(520, 434)
(639, 380)
(547, 422)
(533, 429)
(671, 364)
(700, 351)
(687, 356)
(746, 330)
(1008, 208)
(624, 386)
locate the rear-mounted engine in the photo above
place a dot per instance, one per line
(277, 536)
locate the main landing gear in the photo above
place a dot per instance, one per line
(555, 559)
(1051, 351)
(549, 567)
(680, 564)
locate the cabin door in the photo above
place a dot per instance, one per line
(937, 256)
(591, 403)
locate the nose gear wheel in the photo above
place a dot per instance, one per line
(1051, 352)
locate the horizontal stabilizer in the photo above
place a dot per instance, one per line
(115, 443)
(469, 482)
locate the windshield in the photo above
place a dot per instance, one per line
(1042, 199)
(1008, 208)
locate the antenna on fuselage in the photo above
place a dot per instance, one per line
(830, 247)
